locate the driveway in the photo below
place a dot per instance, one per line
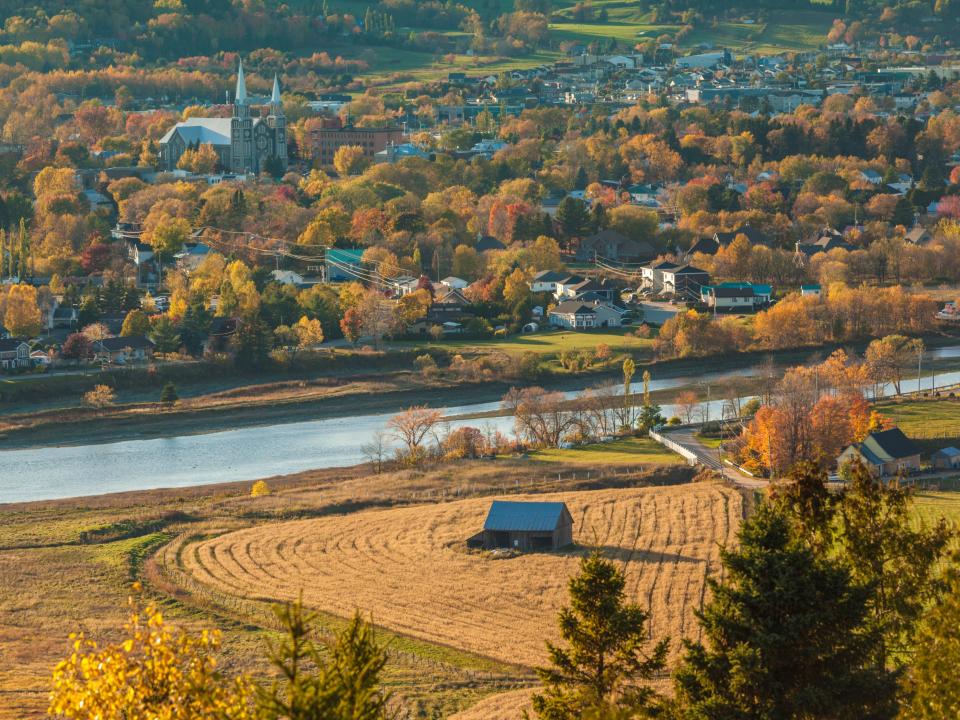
(710, 458)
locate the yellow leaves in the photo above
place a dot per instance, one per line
(154, 673)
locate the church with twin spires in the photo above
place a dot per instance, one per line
(244, 144)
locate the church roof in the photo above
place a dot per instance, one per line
(205, 131)
(241, 96)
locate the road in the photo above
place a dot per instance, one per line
(709, 457)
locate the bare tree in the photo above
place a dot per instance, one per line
(375, 451)
(412, 426)
(687, 403)
(540, 417)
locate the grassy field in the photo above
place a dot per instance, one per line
(57, 578)
(931, 505)
(931, 418)
(409, 568)
(618, 452)
(549, 342)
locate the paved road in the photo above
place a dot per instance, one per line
(709, 458)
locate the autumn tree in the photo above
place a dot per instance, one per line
(135, 323)
(22, 316)
(412, 427)
(77, 346)
(101, 396)
(540, 417)
(351, 325)
(604, 655)
(687, 403)
(350, 160)
(154, 671)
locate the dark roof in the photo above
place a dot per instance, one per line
(524, 516)
(706, 245)
(755, 236)
(550, 276)
(894, 443)
(10, 344)
(571, 280)
(116, 344)
(489, 243)
(730, 292)
(662, 265)
(573, 307)
(687, 270)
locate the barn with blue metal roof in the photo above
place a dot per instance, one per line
(527, 526)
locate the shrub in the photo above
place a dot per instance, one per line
(259, 489)
(101, 396)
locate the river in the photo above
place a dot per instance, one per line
(258, 452)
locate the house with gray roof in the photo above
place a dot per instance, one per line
(887, 453)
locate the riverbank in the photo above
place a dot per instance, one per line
(342, 396)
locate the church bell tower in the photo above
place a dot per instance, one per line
(241, 129)
(277, 122)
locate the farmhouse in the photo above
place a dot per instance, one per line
(886, 453)
(14, 354)
(527, 526)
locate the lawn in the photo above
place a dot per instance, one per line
(931, 505)
(550, 342)
(618, 452)
(924, 418)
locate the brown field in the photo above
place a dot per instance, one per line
(502, 706)
(408, 569)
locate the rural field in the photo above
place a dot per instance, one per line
(408, 567)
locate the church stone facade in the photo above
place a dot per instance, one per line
(243, 143)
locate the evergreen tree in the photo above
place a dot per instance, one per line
(604, 657)
(23, 250)
(168, 395)
(932, 681)
(786, 636)
(164, 335)
(572, 216)
(581, 181)
(342, 685)
(878, 541)
(254, 342)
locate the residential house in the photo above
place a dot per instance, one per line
(609, 245)
(342, 264)
(486, 243)
(946, 459)
(122, 350)
(810, 290)
(582, 315)
(14, 354)
(918, 236)
(827, 240)
(565, 287)
(685, 281)
(546, 281)
(192, 254)
(455, 283)
(887, 453)
(651, 276)
(65, 317)
(527, 526)
(735, 296)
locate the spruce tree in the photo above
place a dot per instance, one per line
(596, 673)
(786, 636)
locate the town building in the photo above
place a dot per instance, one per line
(243, 144)
(326, 141)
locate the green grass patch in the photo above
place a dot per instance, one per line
(628, 451)
(710, 442)
(548, 343)
(931, 505)
(933, 418)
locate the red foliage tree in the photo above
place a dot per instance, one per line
(76, 347)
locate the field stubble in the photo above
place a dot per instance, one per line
(408, 570)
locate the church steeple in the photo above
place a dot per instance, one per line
(275, 95)
(241, 94)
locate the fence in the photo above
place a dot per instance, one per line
(679, 449)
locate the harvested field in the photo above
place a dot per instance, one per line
(408, 568)
(502, 706)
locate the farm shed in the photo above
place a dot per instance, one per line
(527, 526)
(946, 459)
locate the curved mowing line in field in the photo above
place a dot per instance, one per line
(408, 567)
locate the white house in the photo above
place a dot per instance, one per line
(454, 283)
(14, 354)
(579, 315)
(546, 281)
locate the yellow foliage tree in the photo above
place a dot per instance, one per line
(22, 317)
(259, 489)
(350, 160)
(154, 673)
